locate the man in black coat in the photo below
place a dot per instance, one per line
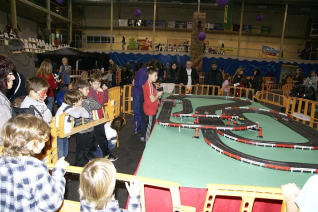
(213, 76)
(188, 76)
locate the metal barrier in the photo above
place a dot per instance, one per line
(248, 195)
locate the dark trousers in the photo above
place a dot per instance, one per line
(100, 138)
(139, 115)
(85, 145)
(149, 123)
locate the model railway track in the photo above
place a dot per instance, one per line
(213, 127)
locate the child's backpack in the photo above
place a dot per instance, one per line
(31, 110)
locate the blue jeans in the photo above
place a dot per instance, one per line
(50, 103)
(111, 145)
(62, 147)
(139, 115)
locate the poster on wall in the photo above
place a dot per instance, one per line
(268, 51)
(171, 24)
(180, 25)
(123, 22)
(159, 24)
(189, 25)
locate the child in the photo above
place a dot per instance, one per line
(225, 84)
(97, 184)
(111, 130)
(85, 142)
(37, 89)
(150, 102)
(301, 200)
(72, 106)
(25, 183)
(101, 96)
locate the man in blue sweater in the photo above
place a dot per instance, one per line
(138, 99)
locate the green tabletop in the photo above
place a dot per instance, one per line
(177, 156)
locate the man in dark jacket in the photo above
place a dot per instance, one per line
(213, 77)
(189, 75)
(257, 80)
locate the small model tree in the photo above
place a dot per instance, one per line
(132, 45)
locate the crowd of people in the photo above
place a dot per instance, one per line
(29, 98)
(27, 105)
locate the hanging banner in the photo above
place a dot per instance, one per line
(227, 22)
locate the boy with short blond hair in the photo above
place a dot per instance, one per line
(97, 184)
(25, 183)
(37, 92)
(72, 106)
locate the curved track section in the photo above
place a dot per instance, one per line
(309, 133)
(212, 126)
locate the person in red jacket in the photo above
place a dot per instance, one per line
(45, 72)
(151, 100)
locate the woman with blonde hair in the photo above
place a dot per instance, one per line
(45, 72)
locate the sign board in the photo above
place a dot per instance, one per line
(301, 116)
(123, 22)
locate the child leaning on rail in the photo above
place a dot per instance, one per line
(97, 184)
(72, 106)
(99, 94)
(111, 130)
(25, 182)
(304, 200)
(85, 141)
(37, 92)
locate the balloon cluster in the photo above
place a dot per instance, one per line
(259, 17)
(137, 12)
(201, 36)
(222, 3)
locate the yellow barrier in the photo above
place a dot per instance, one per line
(232, 91)
(197, 89)
(172, 186)
(118, 77)
(303, 110)
(114, 94)
(270, 98)
(271, 86)
(127, 100)
(247, 193)
(287, 88)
